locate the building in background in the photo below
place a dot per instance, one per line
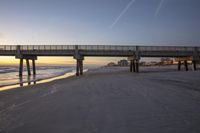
(122, 63)
(189, 59)
(111, 64)
(166, 61)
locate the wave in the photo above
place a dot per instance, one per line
(9, 74)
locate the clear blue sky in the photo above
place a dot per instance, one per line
(100, 21)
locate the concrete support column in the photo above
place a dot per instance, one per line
(196, 58)
(186, 65)
(137, 59)
(33, 63)
(29, 82)
(179, 65)
(79, 61)
(131, 66)
(28, 66)
(21, 67)
(81, 67)
(77, 67)
(194, 65)
(21, 81)
(27, 58)
(137, 65)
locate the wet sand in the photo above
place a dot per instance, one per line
(106, 100)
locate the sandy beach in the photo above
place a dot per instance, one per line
(106, 100)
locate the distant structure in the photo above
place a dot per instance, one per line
(111, 64)
(122, 63)
(189, 59)
(142, 63)
(166, 61)
(152, 63)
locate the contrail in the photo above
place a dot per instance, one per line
(122, 13)
(158, 8)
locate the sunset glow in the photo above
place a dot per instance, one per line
(5, 60)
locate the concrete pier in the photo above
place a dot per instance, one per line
(30, 52)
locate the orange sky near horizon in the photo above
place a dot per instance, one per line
(10, 60)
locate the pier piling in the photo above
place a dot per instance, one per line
(186, 65)
(77, 67)
(28, 66)
(79, 61)
(134, 65)
(21, 67)
(131, 66)
(33, 63)
(81, 67)
(137, 65)
(27, 58)
(194, 65)
(179, 65)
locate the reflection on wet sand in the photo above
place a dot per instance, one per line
(31, 80)
(9, 75)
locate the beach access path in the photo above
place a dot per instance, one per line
(106, 100)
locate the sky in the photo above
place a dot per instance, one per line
(122, 22)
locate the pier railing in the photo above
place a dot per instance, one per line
(97, 47)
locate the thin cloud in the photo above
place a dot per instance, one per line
(122, 13)
(158, 8)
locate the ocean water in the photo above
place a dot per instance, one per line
(9, 74)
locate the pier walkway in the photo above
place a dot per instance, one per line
(133, 53)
